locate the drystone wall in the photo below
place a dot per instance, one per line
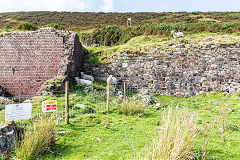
(29, 59)
(181, 71)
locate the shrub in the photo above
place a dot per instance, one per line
(37, 140)
(56, 26)
(7, 27)
(176, 137)
(27, 26)
(132, 107)
(115, 35)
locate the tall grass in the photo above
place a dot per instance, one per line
(37, 140)
(132, 107)
(176, 137)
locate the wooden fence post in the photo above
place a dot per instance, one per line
(66, 104)
(124, 98)
(108, 94)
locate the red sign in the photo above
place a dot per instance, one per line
(49, 106)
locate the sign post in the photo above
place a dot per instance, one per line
(66, 104)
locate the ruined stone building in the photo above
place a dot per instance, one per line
(29, 59)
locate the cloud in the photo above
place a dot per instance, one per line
(107, 6)
(43, 5)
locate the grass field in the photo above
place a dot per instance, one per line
(127, 136)
(111, 135)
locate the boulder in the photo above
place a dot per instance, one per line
(8, 134)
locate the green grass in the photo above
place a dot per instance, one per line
(37, 140)
(127, 136)
(147, 43)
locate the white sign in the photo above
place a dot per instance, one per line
(18, 111)
(49, 106)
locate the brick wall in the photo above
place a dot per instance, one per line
(28, 59)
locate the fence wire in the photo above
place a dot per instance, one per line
(84, 101)
(81, 101)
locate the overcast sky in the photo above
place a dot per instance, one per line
(119, 5)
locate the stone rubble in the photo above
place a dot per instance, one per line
(8, 134)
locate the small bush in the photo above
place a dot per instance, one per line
(176, 137)
(27, 26)
(7, 27)
(37, 140)
(56, 26)
(132, 107)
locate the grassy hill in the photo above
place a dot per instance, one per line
(88, 20)
(109, 29)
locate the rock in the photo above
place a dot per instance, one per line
(4, 101)
(62, 132)
(76, 120)
(157, 104)
(120, 96)
(124, 65)
(8, 133)
(211, 100)
(144, 94)
(95, 45)
(80, 106)
(119, 93)
(112, 90)
(230, 109)
(106, 125)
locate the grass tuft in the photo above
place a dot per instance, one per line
(37, 140)
(132, 107)
(176, 137)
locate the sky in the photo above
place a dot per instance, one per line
(119, 5)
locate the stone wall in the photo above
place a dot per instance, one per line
(29, 59)
(181, 71)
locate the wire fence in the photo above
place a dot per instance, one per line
(91, 100)
(83, 100)
(87, 100)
